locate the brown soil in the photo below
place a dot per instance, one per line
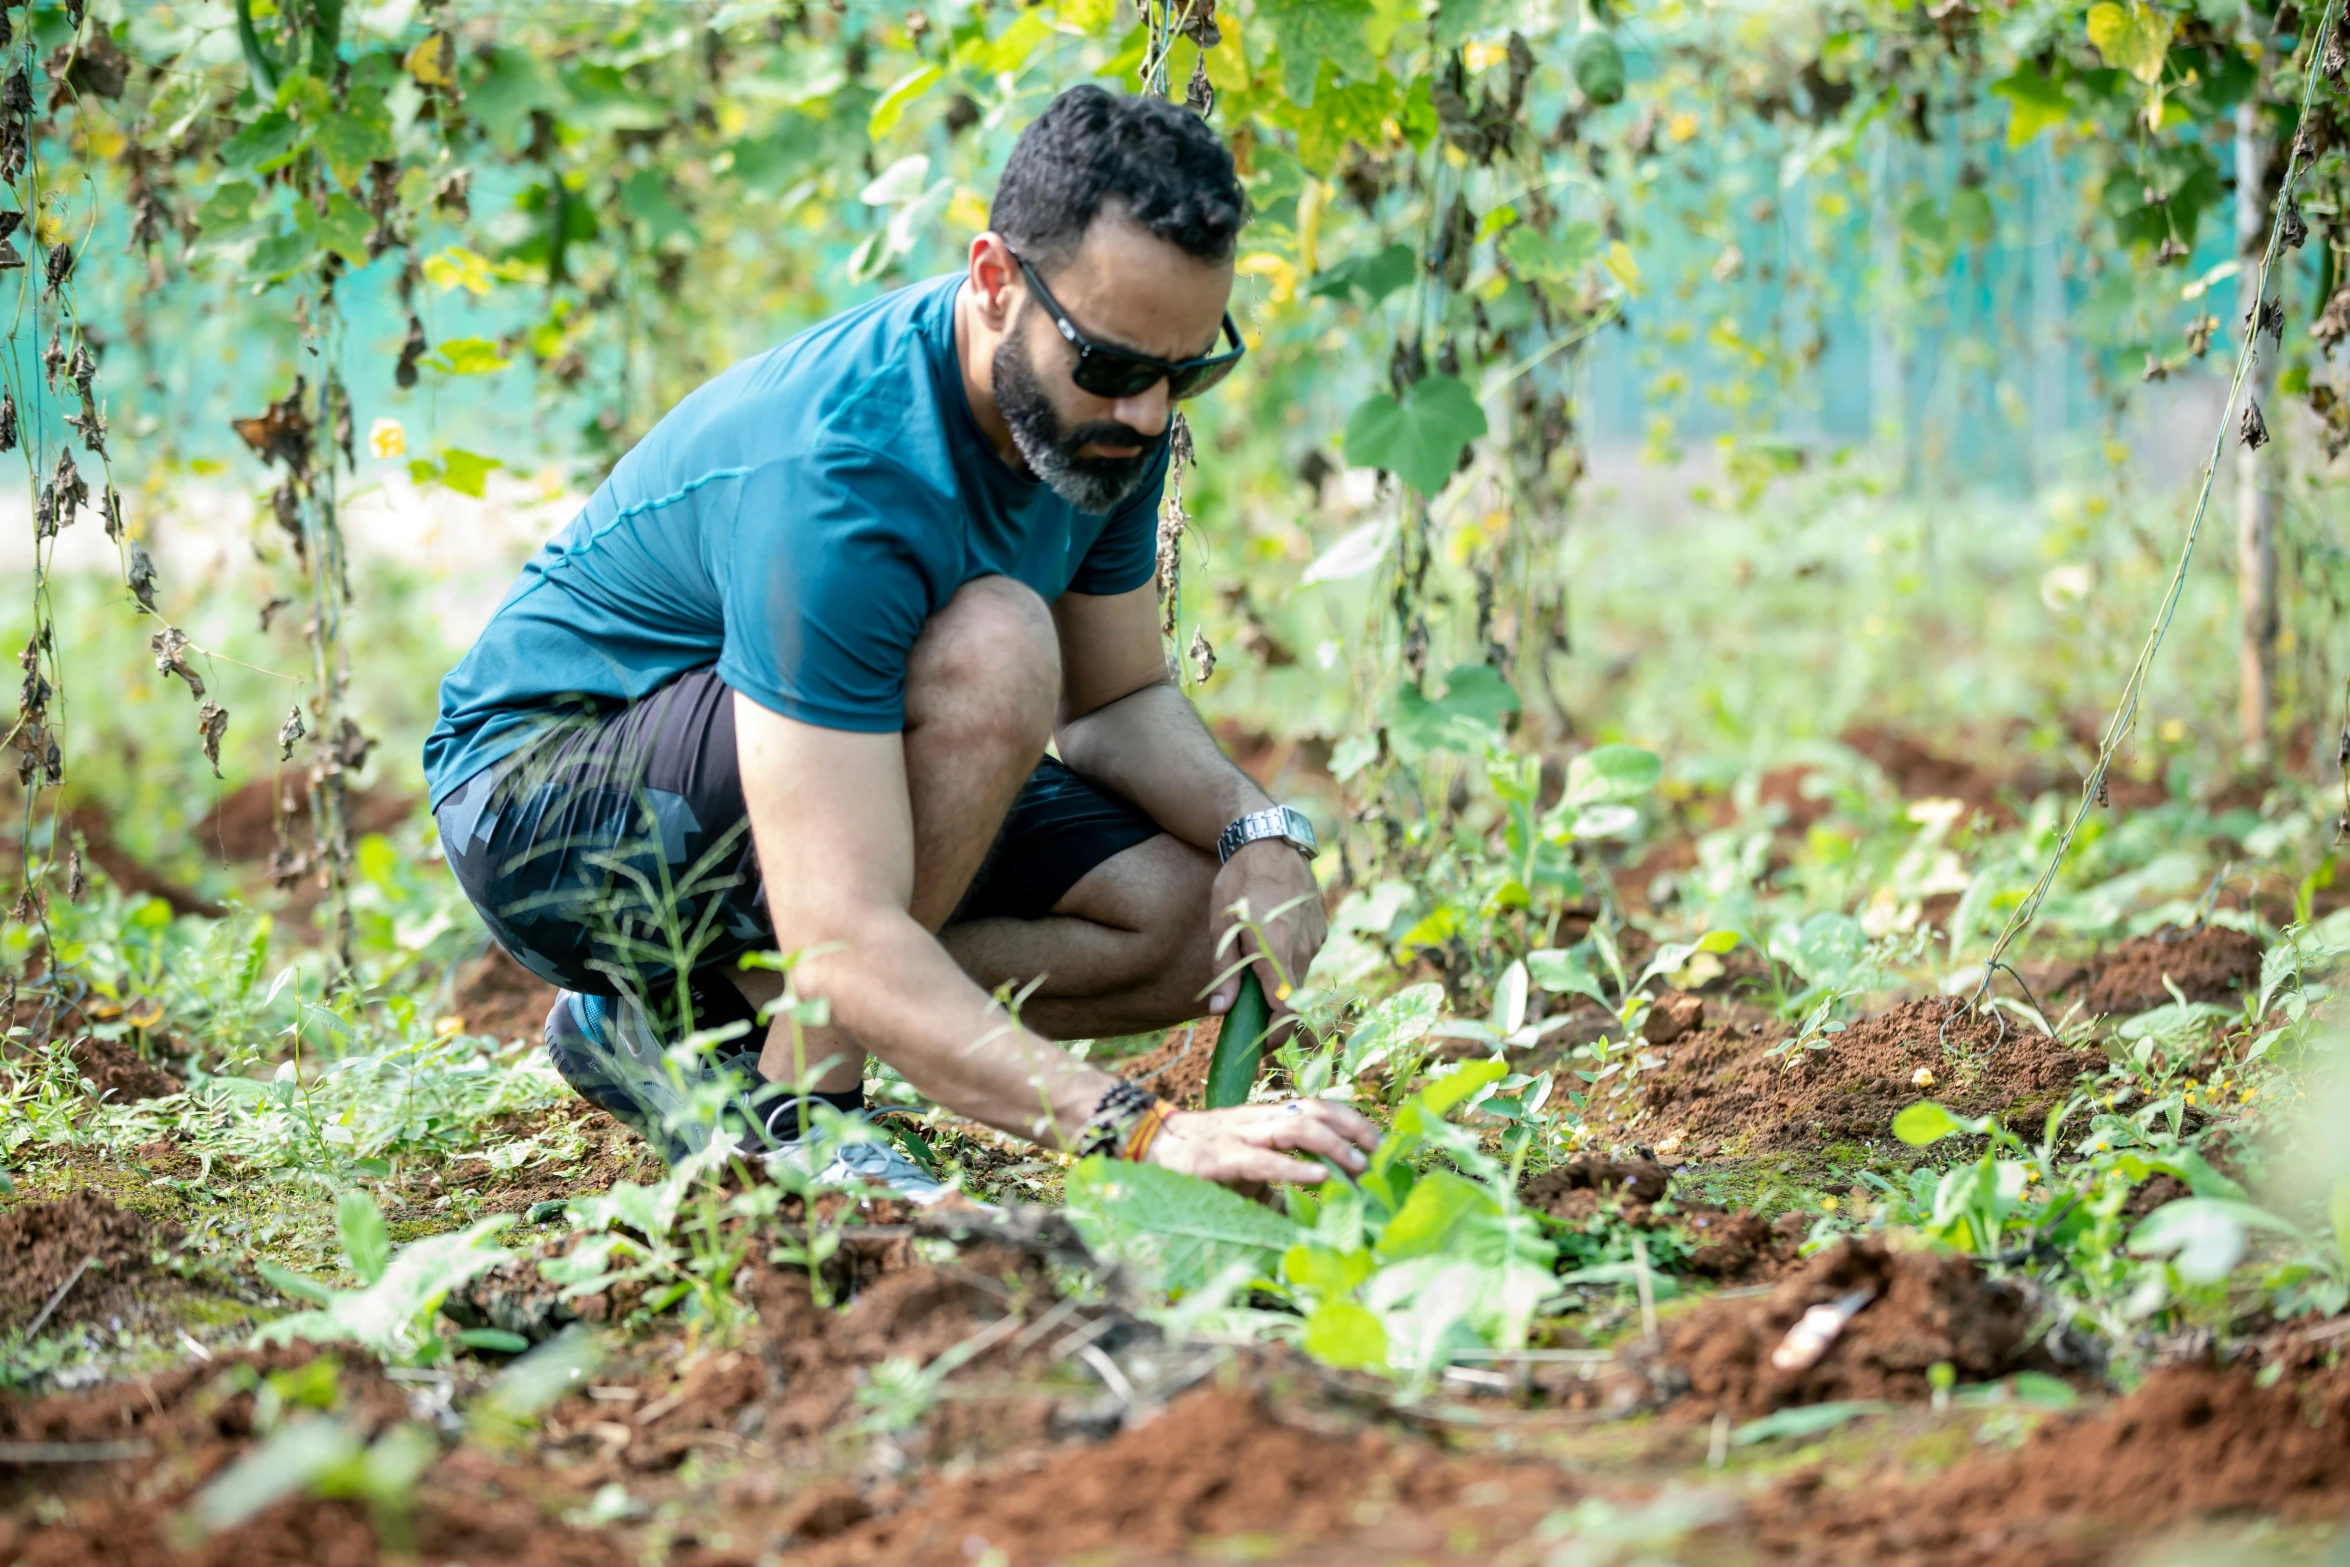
(499, 997)
(1178, 1069)
(1927, 1307)
(186, 1425)
(43, 1244)
(113, 1068)
(1717, 1087)
(1580, 1191)
(1740, 1246)
(608, 1152)
(1216, 1463)
(2192, 1443)
(115, 1071)
(2212, 964)
(1918, 773)
(242, 828)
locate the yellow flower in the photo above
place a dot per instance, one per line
(387, 438)
(2031, 1176)
(1828, 1203)
(1923, 1077)
(449, 1027)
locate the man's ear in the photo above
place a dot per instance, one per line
(995, 278)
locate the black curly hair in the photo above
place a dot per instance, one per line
(1155, 161)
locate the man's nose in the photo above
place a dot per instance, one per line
(1146, 411)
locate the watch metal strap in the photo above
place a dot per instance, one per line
(1279, 821)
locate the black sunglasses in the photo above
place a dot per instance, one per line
(1121, 372)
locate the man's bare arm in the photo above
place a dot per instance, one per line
(1126, 727)
(834, 827)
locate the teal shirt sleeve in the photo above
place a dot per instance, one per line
(1125, 553)
(822, 615)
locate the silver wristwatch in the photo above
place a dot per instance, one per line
(1278, 821)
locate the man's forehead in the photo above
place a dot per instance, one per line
(1126, 283)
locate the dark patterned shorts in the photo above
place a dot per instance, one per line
(613, 853)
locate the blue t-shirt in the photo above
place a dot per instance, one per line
(795, 521)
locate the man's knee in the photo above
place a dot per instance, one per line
(989, 665)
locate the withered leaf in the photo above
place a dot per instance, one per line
(99, 66)
(91, 426)
(73, 491)
(289, 731)
(2333, 322)
(58, 270)
(2292, 228)
(16, 97)
(139, 576)
(269, 611)
(170, 646)
(410, 352)
(45, 513)
(211, 724)
(352, 746)
(1203, 655)
(2252, 430)
(282, 432)
(110, 512)
(77, 884)
(2272, 318)
(7, 422)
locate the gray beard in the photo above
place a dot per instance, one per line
(1091, 484)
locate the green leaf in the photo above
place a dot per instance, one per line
(496, 1340)
(1343, 112)
(1599, 67)
(1420, 439)
(1181, 1229)
(1309, 32)
(1324, 1270)
(355, 137)
(1456, 21)
(269, 143)
(1565, 973)
(292, 1285)
(891, 107)
(1927, 1122)
(1717, 941)
(469, 356)
(1542, 258)
(1467, 718)
(229, 206)
(646, 197)
(1458, 1085)
(365, 1239)
(466, 472)
(1440, 1205)
(2204, 1237)
(1805, 1420)
(2132, 38)
(391, 1316)
(343, 228)
(1611, 775)
(2036, 104)
(1344, 1334)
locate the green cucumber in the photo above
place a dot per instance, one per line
(1240, 1046)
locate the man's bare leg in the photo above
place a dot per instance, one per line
(1125, 950)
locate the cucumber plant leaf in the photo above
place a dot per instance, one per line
(1419, 439)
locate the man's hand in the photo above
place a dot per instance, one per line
(1264, 905)
(1244, 1144)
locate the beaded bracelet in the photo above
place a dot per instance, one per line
(1146, 1130)
(1113, 1118)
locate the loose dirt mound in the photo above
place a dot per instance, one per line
(1720, 1087)
(1178, 1069)
(186, 1425)
(1922, 1308)
(243, 826)
(115, 1070)
(2212, 964)
(499, 997)
(1581, 1190)
(2083, 1490)
(1213, 1464)
(44, 1244)
(1740, 1245)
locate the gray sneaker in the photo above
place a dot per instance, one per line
(611, 1053)
(864, 1156)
